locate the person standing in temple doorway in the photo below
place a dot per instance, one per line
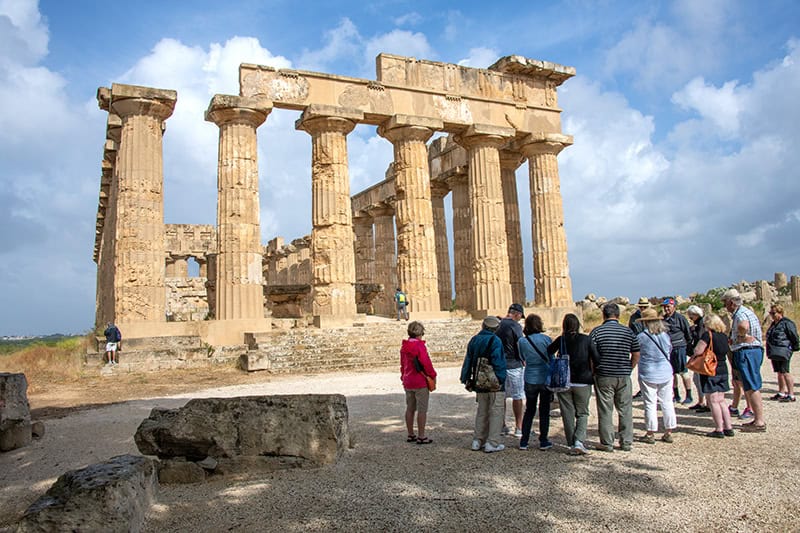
(401, 299)
(113, 343)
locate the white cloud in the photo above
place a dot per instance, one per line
(409, 19)
(480, 57)
(400, 42)
(720, 106)
(23, 36)
(341, 42)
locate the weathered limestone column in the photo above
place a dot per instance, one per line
(763, 291)
(170, 267)
(364, 249)
(462, 232)
(417, 269)
(239, 287)
(509, 162)
(281, 270)
(140, 294)
(202, 262)
(553, 285)
(303, 246)
(385, 261)
(794, 281)
(490, 277)
(438, 191)
(780, 280)
(181, 266)
(291, 264)
(332, 254)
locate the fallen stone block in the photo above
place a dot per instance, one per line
(37, 429)
(250, 434)
(15, 412)
(110, 496)
(174, 471)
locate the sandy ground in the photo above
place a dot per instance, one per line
(745, 483)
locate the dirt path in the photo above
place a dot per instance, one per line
(746, 483)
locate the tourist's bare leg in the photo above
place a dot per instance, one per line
(422, 418)
(517, 407)
(755, 404)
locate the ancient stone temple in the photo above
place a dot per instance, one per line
(361, 246)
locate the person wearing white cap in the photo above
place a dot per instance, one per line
(745, 343)
(489, 418)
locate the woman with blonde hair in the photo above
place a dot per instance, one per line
(655, 376)
(714, 387)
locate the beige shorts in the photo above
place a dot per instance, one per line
(417, 400)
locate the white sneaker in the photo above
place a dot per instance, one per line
(489, 448)
(518, 433)
(476, 445)
(578, 449)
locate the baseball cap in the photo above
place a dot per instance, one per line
(491, 322)
(518, 308)
(668, 301)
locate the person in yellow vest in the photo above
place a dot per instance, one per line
(401, 299)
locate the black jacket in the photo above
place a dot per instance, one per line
(582, 351)
(678, 329)
(782, 339)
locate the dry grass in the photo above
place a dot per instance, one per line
(43, 364)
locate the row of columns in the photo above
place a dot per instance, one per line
(479, 202)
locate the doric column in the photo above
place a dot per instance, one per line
(491, 285)
(303, 247)
(291, 264)
(462, 234)
(416, 244)
(202, 263)
(439, 190)
(333, 261)
(385, 261)
(364, 244)
(509, 162)
(794, 288)
(170, 266)
(140, 294)
(239, 287)
(181, 266)
(281, 267)
(553, 286)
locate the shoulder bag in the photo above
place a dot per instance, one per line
(484, 378)
(431, 382)
(706, 362)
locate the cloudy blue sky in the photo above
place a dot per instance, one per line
(683, 175)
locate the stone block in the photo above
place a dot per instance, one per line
(250, 434)
(37, 429)
(15, 412)
(253, 361)
(180, 471)
(110, 496)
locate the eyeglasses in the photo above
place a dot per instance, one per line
(772, 312)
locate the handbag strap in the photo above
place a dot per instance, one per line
(536, 349)
(657, 345)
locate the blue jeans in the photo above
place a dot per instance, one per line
(534, 393)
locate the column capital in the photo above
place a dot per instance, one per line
(322, 118)
(544, 143)
(456, 176)
(484, 135)
(409, 128)
(381, 209)
(127, 100)
(439, 188)
(227, 109)
(510, 160)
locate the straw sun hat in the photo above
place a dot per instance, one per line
(649, 315)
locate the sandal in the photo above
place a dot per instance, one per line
(752, 428)
(423, 440)
(411, 438)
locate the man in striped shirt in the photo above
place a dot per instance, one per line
(745, 343)
(617, 356)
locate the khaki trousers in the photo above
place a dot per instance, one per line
(489, 418)
(614, 392)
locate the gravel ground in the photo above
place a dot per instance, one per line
(384, 483)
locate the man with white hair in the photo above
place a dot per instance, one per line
(745, 343)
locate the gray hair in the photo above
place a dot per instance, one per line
(610, 310)
(655, 326)
(694, 310)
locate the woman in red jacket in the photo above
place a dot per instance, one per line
(414, 365)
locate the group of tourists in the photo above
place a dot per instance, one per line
(506, 360)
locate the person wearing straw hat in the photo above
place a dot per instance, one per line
(633, 321)
(655, 376)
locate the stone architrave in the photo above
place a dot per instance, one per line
(509, 162)
(239, 287)
(364, 249)
(139, 290)
(553, 285)
(491, 285)
(333, 298)
(462, 234)
(385, 262)
(416, 243)
(438, 191)
(115, 495)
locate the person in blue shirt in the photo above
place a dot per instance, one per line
(533, 349)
